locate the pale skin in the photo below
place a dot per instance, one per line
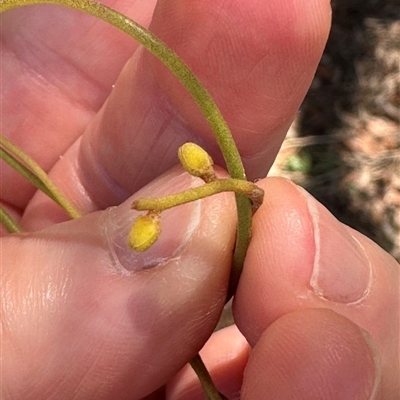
(75, 324)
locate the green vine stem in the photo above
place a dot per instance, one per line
(30, 170)
(201, 371)
(24, 171)
(8, 221)
(199, 94)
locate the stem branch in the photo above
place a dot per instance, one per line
(247, 188)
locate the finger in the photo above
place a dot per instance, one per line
(58, 68)
(225, 356)
(85, 317)
(301, 257)
(311, 354)
(257, 68)
(257, 59)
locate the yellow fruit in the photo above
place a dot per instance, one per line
(196, 161)
(145, 231)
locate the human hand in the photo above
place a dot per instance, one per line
(81, 318)
(317, 304)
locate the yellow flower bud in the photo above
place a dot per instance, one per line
(196, 161)
(145, 231)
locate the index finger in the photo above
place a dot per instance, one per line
(58, 66)
(257, 60)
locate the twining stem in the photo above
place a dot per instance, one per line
(28, 168)
(8, 221)
(249, 189)
(199, 94)
(201, 371)
(24, 172)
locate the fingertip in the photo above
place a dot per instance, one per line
(99, 314)
(256, 58)
(278, 266)
(302, 257)
(309, 354)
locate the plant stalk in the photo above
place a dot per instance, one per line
(201, 371)
(159, 204)
(9, 222)
(30, 170)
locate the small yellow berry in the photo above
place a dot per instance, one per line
(145, 231)
(196, 161)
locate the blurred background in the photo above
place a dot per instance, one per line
(344, 146)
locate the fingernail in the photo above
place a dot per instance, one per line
(178, 224)
(374, 352)
(341, 272)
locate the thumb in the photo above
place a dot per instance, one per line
(85, 317)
